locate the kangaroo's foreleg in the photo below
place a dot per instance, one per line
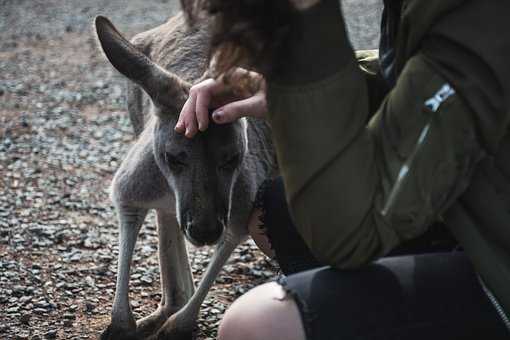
(176, 280)
(180, 325)
(123, 324)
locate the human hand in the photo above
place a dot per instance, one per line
(229, 104)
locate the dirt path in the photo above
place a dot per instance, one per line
(63, 133)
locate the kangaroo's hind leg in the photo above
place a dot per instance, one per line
(123, 324)
(176, 279)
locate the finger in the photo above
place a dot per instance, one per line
(180, 126)
(191, 128)
(190, 119)
(202, 110)
(254, 106)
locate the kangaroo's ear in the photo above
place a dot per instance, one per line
(165, 88)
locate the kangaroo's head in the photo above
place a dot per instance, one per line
(201, 171)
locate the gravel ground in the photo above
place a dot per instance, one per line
(63, 133)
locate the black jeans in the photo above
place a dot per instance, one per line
(425, 289)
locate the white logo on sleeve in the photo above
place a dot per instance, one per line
(444, 93)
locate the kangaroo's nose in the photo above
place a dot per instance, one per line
(202, 234)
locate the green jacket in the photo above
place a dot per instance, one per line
(318, 143)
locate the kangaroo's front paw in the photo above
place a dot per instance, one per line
(116, 333)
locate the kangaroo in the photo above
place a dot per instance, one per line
(202, 189)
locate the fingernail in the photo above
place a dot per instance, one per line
(218, 115)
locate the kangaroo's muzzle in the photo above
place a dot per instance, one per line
(201, 234)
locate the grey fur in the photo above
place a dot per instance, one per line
(197, 187)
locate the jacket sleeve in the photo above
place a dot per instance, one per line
(320, 139)
(338, 170)
(318, 109)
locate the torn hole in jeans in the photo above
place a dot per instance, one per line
(306, 313)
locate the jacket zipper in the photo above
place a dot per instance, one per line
(495, 303)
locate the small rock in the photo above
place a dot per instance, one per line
(75, 257)
(25, 319)
(40, 311)
(51, 334)
(18, 290)
(69, 316)
(146, 279)
(12, 310)
(89, 307)
(90, 281)
(100, 84)
(25, 299)
(42, 304)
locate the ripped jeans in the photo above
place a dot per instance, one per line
(424, 289)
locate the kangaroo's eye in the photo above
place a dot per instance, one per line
(231, 163)
(176, 162)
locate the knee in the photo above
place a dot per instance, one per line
(262, 313)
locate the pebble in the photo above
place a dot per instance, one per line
(25, 319)
(52, 334)
(89, 307)
(39, 310)
(69, 316)
(146, 279)
(12, 310)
